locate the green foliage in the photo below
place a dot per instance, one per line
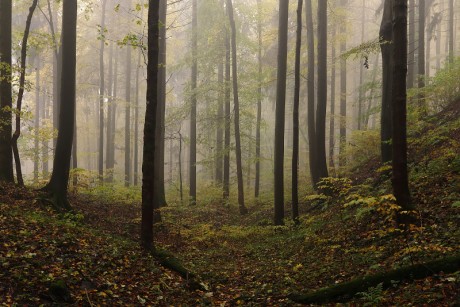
(373, 296)
(363, 146)
(335, 187)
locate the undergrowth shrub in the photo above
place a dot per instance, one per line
(362, 146)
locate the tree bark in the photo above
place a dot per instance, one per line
(193, 101)
(332, 115)
(343, 94)
(411, 51)
(128, 114)
(101, 93)
(295, 117)
(149, 163)
(311, 93)
(400, 179)
(61, 164)
(421, 56)
(109, 132)
(259, 100)
(386, 34)
(280, 111)
(239, 163)
(227, 135)
(322, 90)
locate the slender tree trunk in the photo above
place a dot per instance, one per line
(322, 90)
(161, 113)
(438, 39)
(343, 94)
(227, 118)
(311, 93)
(361, 71)
(332, 116)
(280, 111)
(61, 164)
(17, 132)
(421, 56)
(411, 52)
(136, 123)
(386, 34)
(128, 117)
(372, 93)
(45, 116)
(220, 119)
(259, 99)
(295, 118)
(109, 132)
(148, 165)
(74, 153)
(400, 180)
(36, 130)
(194, 76)
(101, 93)
(239, 164)
(451, 31)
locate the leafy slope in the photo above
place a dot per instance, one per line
(244, 260)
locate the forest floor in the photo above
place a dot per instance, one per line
(93, 257)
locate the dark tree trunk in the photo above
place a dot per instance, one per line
(161, 112)
(386, 34)
(227, 118)
(332, 116)
(149, 163)
(411, 51)
(239, 164)
(322, 90)
(259, 100)
(295, 118)
(311, 93)
(101, 93)
(17, 132)
(194, 76)
(343, 95)
(400, 180)
(280, 112)
(61, 164)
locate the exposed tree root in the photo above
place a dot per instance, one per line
(169, 261)
(346, 291)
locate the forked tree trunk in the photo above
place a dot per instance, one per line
(57, 187)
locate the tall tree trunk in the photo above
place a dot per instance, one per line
(386, 34)
(227, 135)
(74, 153)
(322, 90)
(280, 111)
(400, 180)
(343, 93)
(220, 120)
(311, 93)
(239, 164)
(36, 129)
(361, 71)
(332, 118)
(411, 51)
(421, 55)
(194, 81)
(101, 93)
(161, 112)
(136, 123)
(45, 117)
(259, 99)
(128, 117)
(438, 38)
(17, 132)
(150, 129)
(295, 117)
(61, 164)
(451, 31)
(109, 132)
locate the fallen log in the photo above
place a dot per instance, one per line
(345, 291)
